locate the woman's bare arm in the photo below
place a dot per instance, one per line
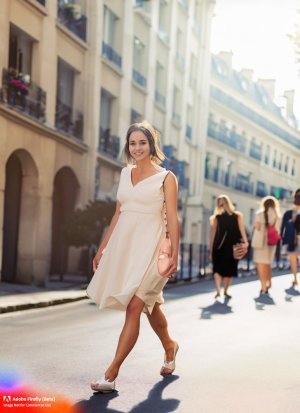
(242, 228)
(171, 195)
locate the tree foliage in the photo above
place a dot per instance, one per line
(87, 225)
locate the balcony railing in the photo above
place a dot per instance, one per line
(139, 78)
(243, 110)
(176, 166)
(160, 99)
(66, 122)
(109, 144)
(188, 132)
(255, 151)
(70, 16)
(111, 54)
(22, 94)
(229, 137)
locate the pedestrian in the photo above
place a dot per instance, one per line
(227, 230)
(290, 232)
(126, 273)
(267, 219)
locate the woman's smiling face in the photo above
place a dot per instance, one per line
(139, 147)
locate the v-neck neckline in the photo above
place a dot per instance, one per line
(142, 180)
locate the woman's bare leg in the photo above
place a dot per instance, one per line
(227, 282)
(262, 271)
(128, 337)
(218, 282)
(159, 323)
(269, 276)
(294, 267)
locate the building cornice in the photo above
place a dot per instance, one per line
(42, 129)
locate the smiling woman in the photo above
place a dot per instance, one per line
(126, 274)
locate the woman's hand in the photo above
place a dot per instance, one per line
(96, 260)
(172, 268)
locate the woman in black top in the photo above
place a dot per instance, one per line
(227, 229)
(290, 233)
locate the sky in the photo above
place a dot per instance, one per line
(256, 32)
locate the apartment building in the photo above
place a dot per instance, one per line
(253, 145)
(74, 75)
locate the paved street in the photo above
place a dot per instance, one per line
(243, 357)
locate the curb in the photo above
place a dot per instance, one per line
(41, 304)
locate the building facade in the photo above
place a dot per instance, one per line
(74, 75)
(253, 145)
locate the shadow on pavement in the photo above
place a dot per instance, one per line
(262, 300)
(215, 308)
(291, 293)
(155, 402)
(98, 403)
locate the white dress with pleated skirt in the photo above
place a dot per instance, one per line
(128, 265)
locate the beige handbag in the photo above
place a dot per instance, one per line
(164, 256)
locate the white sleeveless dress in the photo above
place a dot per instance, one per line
(128, 265)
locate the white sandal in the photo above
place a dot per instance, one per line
(170, 365)
(104, 386)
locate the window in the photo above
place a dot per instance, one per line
(189, 122)
(179, 49)
(275, 159)
(139, 62)
(65, 83)
(193, 72)
(176, 106)
(280, 162)
(20, 50)
(106, 105)
(111, 43)
(207, 165)
(293, 168)
(160, 85)
(286, 166)
(267, 155)
(163, 21)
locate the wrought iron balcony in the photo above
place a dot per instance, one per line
(22, 94)
(109, 144)
(188, 132)
(255, 151)
(224, 135)
(66, 122)
(139, 78)
(160, 99)
(110, 54)
(69, 14)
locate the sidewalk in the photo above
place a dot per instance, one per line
(16, 297)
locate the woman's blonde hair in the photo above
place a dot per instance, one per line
(157, 156)
(220, 209)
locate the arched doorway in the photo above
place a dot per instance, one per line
(20, 201)
(12, 200)
(64, 198)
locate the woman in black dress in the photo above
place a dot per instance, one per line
(227, 229)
